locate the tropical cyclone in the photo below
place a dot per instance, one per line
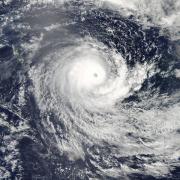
(84, 80)
(92, 77)
(96, 89)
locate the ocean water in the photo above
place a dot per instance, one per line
(90, 89)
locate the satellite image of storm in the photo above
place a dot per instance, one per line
(89, 89)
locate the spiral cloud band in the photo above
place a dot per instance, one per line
(96, 85)
(90, 79)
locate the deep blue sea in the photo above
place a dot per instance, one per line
(89, 90)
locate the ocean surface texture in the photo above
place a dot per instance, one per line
(89, 89)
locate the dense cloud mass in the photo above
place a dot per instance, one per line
(89, 89)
